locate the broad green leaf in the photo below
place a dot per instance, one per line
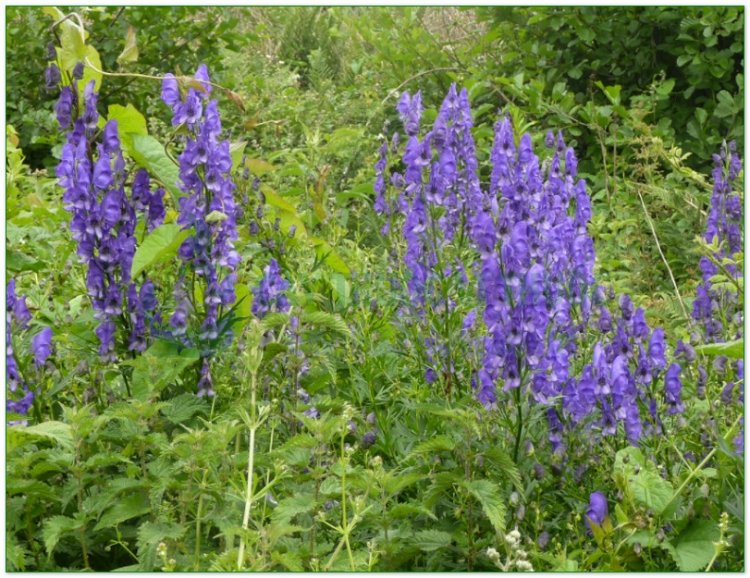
(276, 200)
(651, 490)
(130, 52)
(259, 167)
(236, 150)
(431, 540)
(126, 508)
(129, 122)
(330, 256)
(158, 366)
(290, 507)
(695, 545)
(183, 407)
(149, 153)
(54, 430)
(149, 536)
(159, 246)
(732, 349)
(492, 502)
(55, 528)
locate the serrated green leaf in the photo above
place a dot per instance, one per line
(439, 443)
(57, 527)
(695, 545)
(55, 430)
(431, 540)
(126, 508)
(149, 154)
(492, 502)
(324, 320)
(158, 366)
(149, 536)
(289, 560)
(160, 245)
(292, 506)
(183, 407)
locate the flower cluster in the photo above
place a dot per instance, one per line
(724, 227)
(20, 397)
(535, 269)
(269, 295)
(207, 211)
(534, 261)
(719, 310)
(93, 174)
(622, 380)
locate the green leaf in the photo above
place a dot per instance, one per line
(324, 320)
(651, 490)
(259, 167)
(431, 540)
(695, 545)
(289, 560)
(130, 52)
(290, 507)
(732, 349)
(236, 150)
(158, 366)
(159, 246)
(55, 528)
(129, 122)
(149, 153)
(492, 502)
(183, 407)
(149, 536)
(54, 430)
(126, 508)
(436, 444)
(330, 256)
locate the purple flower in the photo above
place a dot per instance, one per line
(52, 77)
(269, 294)
(598, 509)
(64, 107)
(41, 346)
(673, 389)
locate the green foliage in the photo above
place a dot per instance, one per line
(122, 467)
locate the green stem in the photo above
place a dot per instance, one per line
(250, 459)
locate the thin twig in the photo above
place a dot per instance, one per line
(663, 258)
(419, 74)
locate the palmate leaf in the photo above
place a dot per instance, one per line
(329, 321)
(290, 507)
(488, 495)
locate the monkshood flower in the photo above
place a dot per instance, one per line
(723, 226)
(269, 295)
(41, 346)
(208, 208)
(20, 397)
(598, 509)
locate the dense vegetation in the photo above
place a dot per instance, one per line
(378, 289)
